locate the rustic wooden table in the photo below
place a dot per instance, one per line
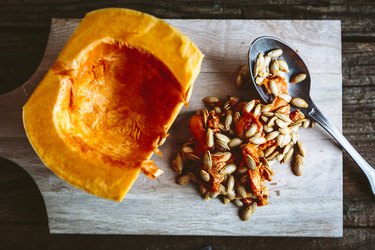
(24, 26)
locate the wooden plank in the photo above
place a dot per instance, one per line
(160, 207)
(356, 16)
(37, 237)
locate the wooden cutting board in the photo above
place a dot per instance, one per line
(310, 205)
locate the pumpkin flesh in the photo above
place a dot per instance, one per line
(116, 103)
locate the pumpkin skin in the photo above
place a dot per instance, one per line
(98, 115)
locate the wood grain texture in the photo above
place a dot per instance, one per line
(357, 16)
(161, 207)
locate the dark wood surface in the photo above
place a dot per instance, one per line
(24, 27)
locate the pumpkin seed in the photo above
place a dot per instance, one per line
(299, 121)
(222, 145)
(183, 179)
(249, 106)
(228, 169)
(272, 135)
(301, 148)
(271, 122)
(265, 191)
(259, 64)
(265, 162)
(294, 127)
(294, 137)
(259, 80)
(283, 66)
(226, 200)
(178, 164)
(299, 102)
(268, 114)
(227, 105)
(238, 203)
(240, 190)
(226, 156)
(264, 118)
(274, 67)
(275, 53)
(228, 122)
(266, 108)
(283, 117)
(239, 81)
(269, 151)
(204, 115)
(297, 167)
(279, 157)
(234, 142)
(286, 149)
(242, 169)
(306, 123)
(299, 157)
(202, 189)
(236, 117)
(257, 110)
(248, 211)
(211, 100)
(244, 70)
(230, 184)
(298, 78)
(207, 160)
(217, 110)
(273, 87)
(251, 131)
(268, 129)
(267, 61)
(312, 125)
(192, 157)
(288, 155)
(222, 137)
(228, 112)
(213, 195)
(281, 123)
(250, 163)
(272, 155)
(280, 140)
(187, 150)
(206, 196)
(221, 127)
(286, 97)
(284, 131)
(287, 140)
(205, 176)
(210, 138)
(222, 189)
(257, 140)
(244, 179)
(283, 109)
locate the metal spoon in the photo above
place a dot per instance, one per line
(296, 65)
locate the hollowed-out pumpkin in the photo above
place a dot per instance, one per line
(102, 109)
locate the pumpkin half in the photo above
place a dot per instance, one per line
(103, 108)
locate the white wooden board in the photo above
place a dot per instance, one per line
(310, 205)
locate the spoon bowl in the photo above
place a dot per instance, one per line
(265, 44)
(296, 65)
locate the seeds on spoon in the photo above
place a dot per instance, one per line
(283, 66)
(299, 102)
(298, 78)
(275, 53)
(274, 88)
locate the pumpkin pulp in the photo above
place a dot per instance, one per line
(116, 103)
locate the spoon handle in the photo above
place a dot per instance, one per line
(317, 116)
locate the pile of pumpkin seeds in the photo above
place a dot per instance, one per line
(223, 150)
